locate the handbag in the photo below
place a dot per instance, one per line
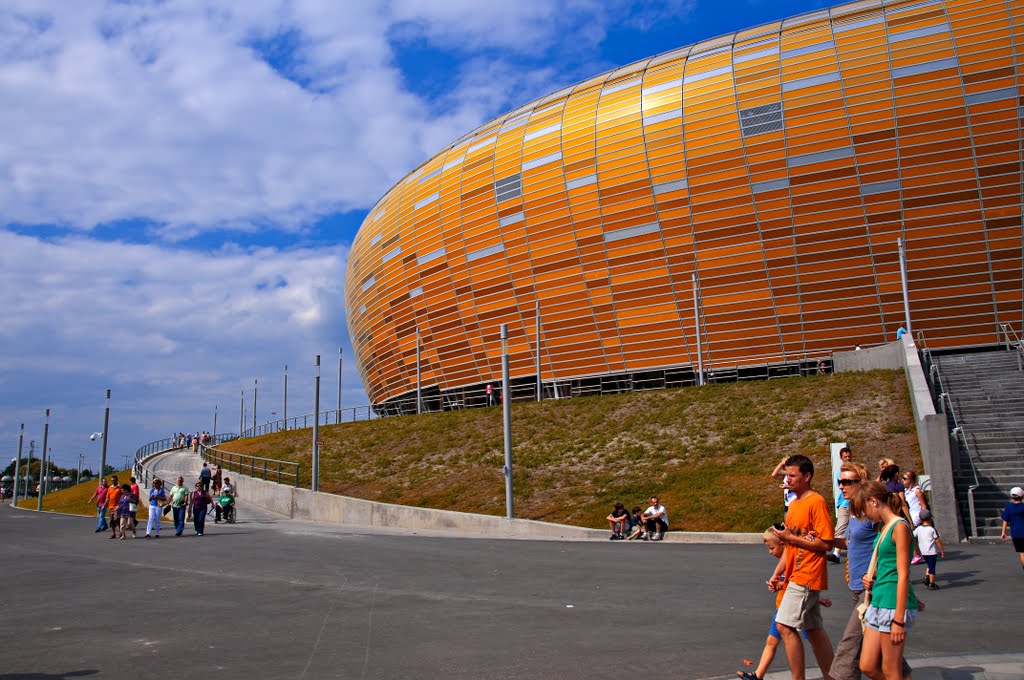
(167, 510)
(862, 608)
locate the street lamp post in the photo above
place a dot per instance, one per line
(506, 413)
(42, 464)
(285, 418)
(255, 389)
(106, 427)
(21, 441)
(337, 416)
(316, 429)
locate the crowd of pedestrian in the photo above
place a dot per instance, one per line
(117, 504)
(187, 440)
(884, 525)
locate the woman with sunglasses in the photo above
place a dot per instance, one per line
(859, 541)
(893, 606)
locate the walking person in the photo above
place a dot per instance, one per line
(113, 499)
(99, 496)
(179, 505)
(892, 604)
(198, 503)
(205, 477)
(124, 511)
(929, 547)
(157, 501)
(1013, 519)
(138, 496)
(842, 508)
(808, 535)
(859, 544)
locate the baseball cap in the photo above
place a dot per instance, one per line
(926, 514)
(1017, 492)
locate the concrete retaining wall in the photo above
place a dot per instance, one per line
(932, 433)
(323, 507)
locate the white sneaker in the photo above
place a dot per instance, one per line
(657, 536)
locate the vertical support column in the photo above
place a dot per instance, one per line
(106, 425)
(696, 325)
(419, 396)
(42, 463)
(903, 281)
(17, 466)
(506, 414)
(540, 384)
(315, 486)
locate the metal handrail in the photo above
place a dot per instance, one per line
(1017, 346)
(475, 397)
(957, 432)
(165, 444)
(250, 465)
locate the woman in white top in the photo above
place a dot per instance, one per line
(915, 497)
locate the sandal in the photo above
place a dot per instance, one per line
(748, 675)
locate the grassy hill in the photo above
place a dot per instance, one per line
(706, 452)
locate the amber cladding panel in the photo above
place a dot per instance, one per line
(779, 165)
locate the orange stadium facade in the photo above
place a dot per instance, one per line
(777, 167)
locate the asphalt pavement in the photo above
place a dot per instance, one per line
(270, 597)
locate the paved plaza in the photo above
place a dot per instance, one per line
(270, 597)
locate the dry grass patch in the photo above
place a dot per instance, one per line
(705, 451)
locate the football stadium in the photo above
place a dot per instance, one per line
(732, 205)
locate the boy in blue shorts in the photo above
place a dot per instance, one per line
(771, 645)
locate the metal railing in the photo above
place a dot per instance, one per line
(433, 399)
(945, 404)
(144, 473)
(270, 469)
(1013, 345)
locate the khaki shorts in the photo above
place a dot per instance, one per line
(800, 608)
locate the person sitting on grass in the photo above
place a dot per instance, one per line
(636, 521)
(618, 520)
(771, 645)
(655, 520)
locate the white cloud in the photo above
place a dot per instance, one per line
(199, 118)
(172, 332)
(168, 111)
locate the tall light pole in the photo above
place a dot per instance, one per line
(316, 428)
(337, 417)
(255, 388)
(241, 415)
(540, 385)
(419, 397)
(106, 438)
(285, 419)
(17, 466)
(42, 464)
(213, 439)
(506, 414)
(902, 246)
(81, 459)
(696, 325)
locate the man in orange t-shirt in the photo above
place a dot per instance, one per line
(808, 536)
(113, 496)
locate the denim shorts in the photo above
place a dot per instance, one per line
(881, 619)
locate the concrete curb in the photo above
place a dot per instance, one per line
(304, 504)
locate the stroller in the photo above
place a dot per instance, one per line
(225, 506)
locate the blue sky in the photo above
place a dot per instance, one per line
(180, 181)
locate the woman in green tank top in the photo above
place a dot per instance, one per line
(893, 605)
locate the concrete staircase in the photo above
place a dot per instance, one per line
(986, 390)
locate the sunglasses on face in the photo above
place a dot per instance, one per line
(848, 482)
